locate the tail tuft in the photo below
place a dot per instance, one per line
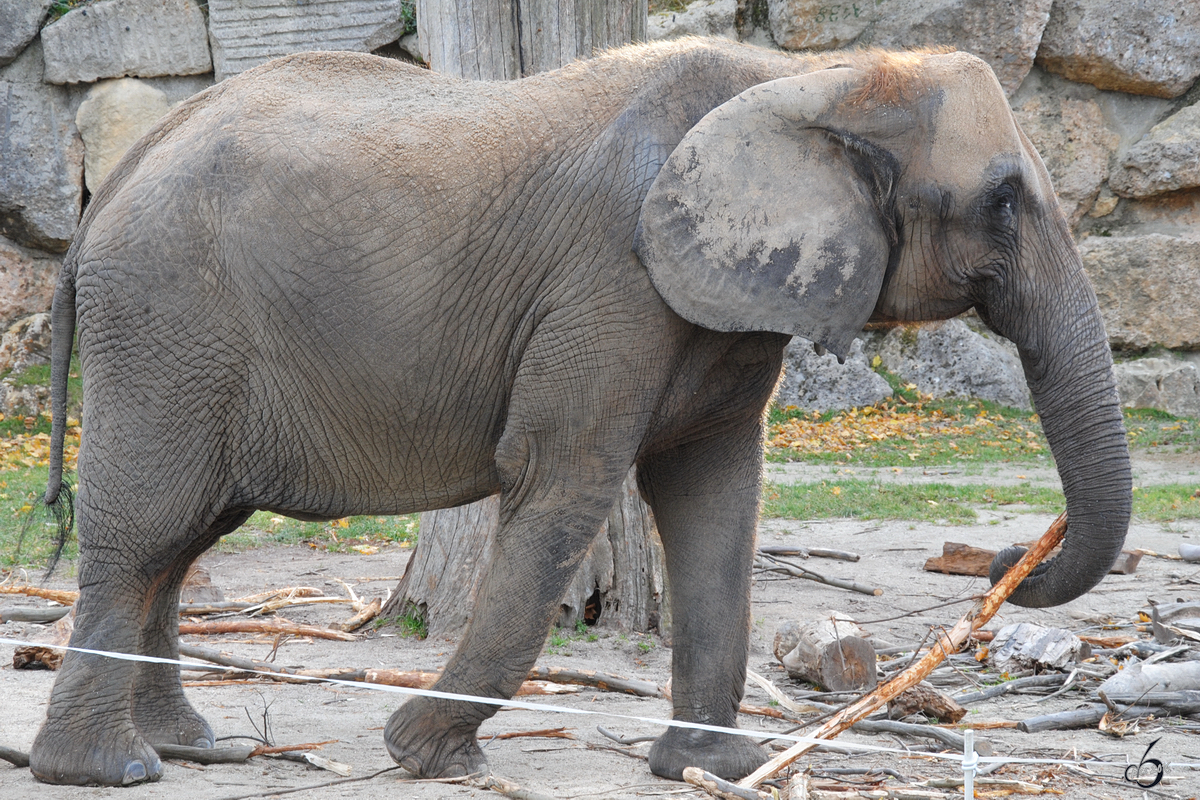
(62, 508)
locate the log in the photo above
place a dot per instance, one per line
(924, 699)
(205, 755)
(946, 643)
(1010, 686)
(1140, 677)
(597, 680)
(33, 614)
(275, 626)
(833, 653)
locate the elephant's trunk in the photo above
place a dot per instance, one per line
(1068, 365)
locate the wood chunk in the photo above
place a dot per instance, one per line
(926, 700)
(1029, 646)
(834, 655)
(961, 559)
(32, 657)
(198, 587)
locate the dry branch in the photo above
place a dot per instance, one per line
(57, 595)
(805, 552)
(365, 615)
(597, 680)
(275, 594)
(719, 787)
(276, 625)
(14, 757)
(776, 564)
(947, 643)
(33, 614)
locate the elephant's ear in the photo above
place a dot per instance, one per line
(771, 216)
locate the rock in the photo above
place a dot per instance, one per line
(1166, 160)
(1147, 47)
(115, 115)
(1162, 383)
(1006, 35)
(114, 38)
(1075, 142)
(700, 18)
(19, 23)
(819, 382)
(27, 341)
(27, 279)
(41, 157)
(245, 35)
(1147, 287)
(953, 359)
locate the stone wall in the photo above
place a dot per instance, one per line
(1106, 89)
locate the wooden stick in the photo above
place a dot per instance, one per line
(14, 757)
(31, 614)
(367, 613)
(718, 787)
(57, 595)
(805, 552)
(291, 591)
(263, 626)
(947, 643)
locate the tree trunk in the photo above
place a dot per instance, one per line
(622, 582)
(503, 39)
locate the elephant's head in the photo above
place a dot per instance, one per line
(898, 187)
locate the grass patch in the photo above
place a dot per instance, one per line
(363, 534)
(26, 528)
(944, 504)
(913, 429)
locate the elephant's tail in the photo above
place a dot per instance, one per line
(62, 331)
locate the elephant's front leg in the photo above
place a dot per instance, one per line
(705, 498)
(534, 559)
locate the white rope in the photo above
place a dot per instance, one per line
(547, 707)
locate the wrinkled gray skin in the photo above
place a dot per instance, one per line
(339, 285)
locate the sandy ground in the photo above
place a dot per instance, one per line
(591, 766)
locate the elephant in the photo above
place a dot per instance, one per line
(338, 284)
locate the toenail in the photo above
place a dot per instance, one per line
(134, 773)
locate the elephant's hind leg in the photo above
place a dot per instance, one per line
(161, 712)
(105, 714)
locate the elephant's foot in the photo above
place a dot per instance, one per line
(171, 720)
(724, 755)
(114, 756)
(421, 738)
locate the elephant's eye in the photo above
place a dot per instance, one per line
(1003, 201)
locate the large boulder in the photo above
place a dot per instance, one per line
(115, 38)
(41, 157)
(244, 35)
(115, 115)
(19, 23)
(1006, 35)
(1074, 141)
(1147, 287)
(27, 279)
(951, 358)
(26, 342)
(1138, 46)
(1166, 160)
(818, 382)
(700, 18)
(1167, 384)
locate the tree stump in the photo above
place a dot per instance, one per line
(622, 582)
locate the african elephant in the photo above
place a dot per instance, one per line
(337, 284)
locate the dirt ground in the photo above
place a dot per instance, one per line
(591, 766)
